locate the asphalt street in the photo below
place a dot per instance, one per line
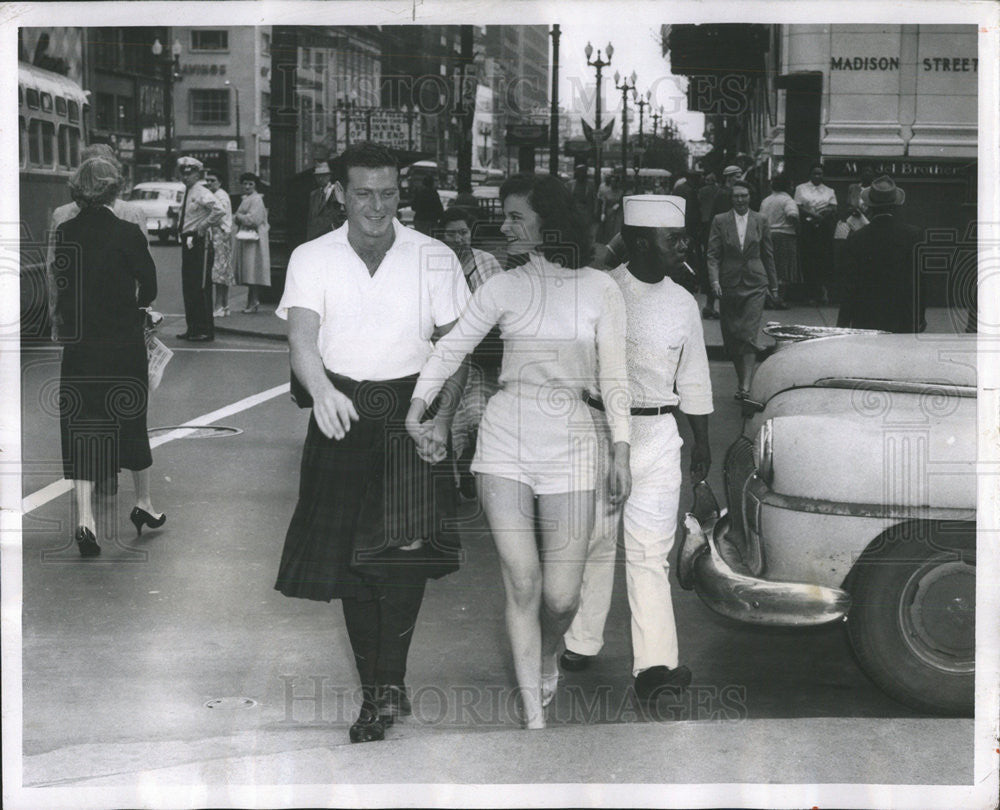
(173, 651)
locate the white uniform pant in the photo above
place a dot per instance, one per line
(649, 520)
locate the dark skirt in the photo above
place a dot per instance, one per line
(741, 313)
(103, 395)
(364, 497)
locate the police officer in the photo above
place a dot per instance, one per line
(667, 370)
(199, 212)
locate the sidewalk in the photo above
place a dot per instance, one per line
(264, 324)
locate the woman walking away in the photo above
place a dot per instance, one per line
(563, 328)
(100, 262)
(252, 254)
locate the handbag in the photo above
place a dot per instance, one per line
(247, 235)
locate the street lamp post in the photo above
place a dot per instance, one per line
(598, 141)
(641, 102)
(172, 73)
(237, 91)
(626, 88)
(656, 120)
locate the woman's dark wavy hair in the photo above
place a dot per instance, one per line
(565, 226)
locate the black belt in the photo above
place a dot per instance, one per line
(596, 403)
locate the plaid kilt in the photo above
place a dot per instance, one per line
(362, 498)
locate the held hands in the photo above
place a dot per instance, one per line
(701, 462)
(717, 289)
(431, 437)
(334, 412)
(620, 475)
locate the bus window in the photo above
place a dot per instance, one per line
(41, 149)
(74, 111)
(46, 102)
(69, 147)
(22, 140)
(31, 95)
(61, 106)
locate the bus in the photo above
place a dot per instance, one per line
(51, 110)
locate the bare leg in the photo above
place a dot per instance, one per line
(83, 495)
(221, 296)
(510, 512)
(744, 370)
(140, 479)
(567, 521)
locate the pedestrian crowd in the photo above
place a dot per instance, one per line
(548, 386)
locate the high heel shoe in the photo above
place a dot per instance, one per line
(250, 309)
(548, 686)
(141, 517)
(87, 543)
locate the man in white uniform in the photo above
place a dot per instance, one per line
(667, 370)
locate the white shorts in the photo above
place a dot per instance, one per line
(549, 445)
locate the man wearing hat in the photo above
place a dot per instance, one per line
(200, 210)
(668, 371)
(325, 213)
(882, 289)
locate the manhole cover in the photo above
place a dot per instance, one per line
(231, 703)
(196, 431)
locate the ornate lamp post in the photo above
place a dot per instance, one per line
(641, 102)
(626, 88)
(599, 64)
(171, 63)
(656, 120)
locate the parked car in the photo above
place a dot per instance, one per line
(161, 203)
(852, 496)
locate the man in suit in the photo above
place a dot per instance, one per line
(325, 213)
(882, 284)
(741, 272)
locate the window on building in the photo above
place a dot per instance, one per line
(41, 142)
(319, 61)
(319, 120)
(69, 146)
(265, 44)
(209, 106)
(306, 58)
(265, 108)
(107, 48)
(204, 39)
(105, 112)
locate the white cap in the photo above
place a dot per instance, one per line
(654, 211)
(189, 162)
(322, 168)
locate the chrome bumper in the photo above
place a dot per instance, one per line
(745, 598)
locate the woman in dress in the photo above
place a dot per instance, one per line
(252, 257)
(222, 246)
(563, 328)
(105, 275)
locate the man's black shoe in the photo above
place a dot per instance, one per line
(656, 681)
(200, 338)
(184, 335)
(709, 314)
(574, 662)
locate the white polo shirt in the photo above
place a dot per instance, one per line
(376, 327)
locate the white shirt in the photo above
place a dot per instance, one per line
(781, 212)
(741, 226)
(815, 198)
(563, 332)
(665, 345)
(376, 327)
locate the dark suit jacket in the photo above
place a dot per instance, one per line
(746, 268)
(882, 282)
(104, 273)
(323, 217)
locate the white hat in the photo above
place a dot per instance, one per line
(188, 162)
(654, 211)
(322, 168)
(732, 170)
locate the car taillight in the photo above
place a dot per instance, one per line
(763, 452)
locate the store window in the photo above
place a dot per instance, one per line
(209, 40)
(209, 106)
(105, 113)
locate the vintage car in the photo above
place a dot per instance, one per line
(852, 496)
(161, 203)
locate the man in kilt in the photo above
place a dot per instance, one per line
(362, 304)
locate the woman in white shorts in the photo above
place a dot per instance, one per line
(563, 327)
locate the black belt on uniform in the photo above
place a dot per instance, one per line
(657, 411)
